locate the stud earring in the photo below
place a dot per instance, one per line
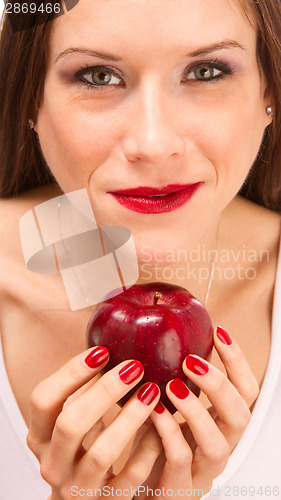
(31, 123)
(269, 111)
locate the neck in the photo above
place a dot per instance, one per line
(191, 266)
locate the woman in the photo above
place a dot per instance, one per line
(133, 100)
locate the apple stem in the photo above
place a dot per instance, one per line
(157, 296)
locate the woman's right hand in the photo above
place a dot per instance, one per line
(68, 406)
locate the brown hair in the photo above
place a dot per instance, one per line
(23, 61)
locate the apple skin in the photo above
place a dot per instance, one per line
(158, 324)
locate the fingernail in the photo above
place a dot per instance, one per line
(195, 365)
(159, 408)
(131, 372)
(223, 336)
(148, 393)
(178, 388)
(97, 357)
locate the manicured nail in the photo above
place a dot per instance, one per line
(195, 365)
(131, 372)
(148, 393)
(97, 357)
(159, 408)
(223, 336)
(178, 388)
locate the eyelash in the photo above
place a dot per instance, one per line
(225, 70)
(88, 70)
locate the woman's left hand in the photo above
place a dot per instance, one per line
(196, 452)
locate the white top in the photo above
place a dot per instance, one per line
(253, 470)
(20, 477)
(254, 467)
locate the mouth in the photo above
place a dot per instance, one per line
(150, 200)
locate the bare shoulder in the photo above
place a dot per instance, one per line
(254, 225)
(252, 232)
(12, 209)
(14, 278)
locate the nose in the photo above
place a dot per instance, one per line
(153, 134)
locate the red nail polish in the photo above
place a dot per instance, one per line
(97, 357)
(195, 365)
(131, 372)
(159, 408)
(178, 388)
(223, 336)
(148, 393)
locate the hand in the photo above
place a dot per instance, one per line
(67, 408)
(196, 452)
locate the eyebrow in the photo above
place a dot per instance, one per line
(88, 52)
(225, 44)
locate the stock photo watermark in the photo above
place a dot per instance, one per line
(201, 263)
(231, 491)
(131, 492)
(29, 14)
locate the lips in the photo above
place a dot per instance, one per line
(150, 200)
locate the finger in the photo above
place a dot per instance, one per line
(110, 444)
(212, 445)
(177, 468)
(231, 408)
(49, 396)
(237, 367)
(80, 391)
(76, 420)
(140, 464)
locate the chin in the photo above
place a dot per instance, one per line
(158, 251)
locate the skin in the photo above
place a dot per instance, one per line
(179, 129)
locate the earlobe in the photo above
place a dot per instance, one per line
(32, 125)
(268, 106)
(269, 115)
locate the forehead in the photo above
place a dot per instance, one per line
(151, 22)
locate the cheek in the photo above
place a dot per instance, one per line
(230, 137)
(74, 143)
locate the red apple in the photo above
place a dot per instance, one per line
(158, 324)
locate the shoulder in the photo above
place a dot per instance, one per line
(12, 209)
(251, 233)
(13, 278)
(253, 225)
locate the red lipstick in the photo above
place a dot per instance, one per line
(150, 200)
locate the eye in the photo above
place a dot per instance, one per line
(208, 71)
(98, 76)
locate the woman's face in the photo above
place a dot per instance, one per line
(153, 94)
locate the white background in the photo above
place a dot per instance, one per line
(1, 6)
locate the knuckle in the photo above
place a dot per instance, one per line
(181, 459)
(107, 386)
(99, 460)
(38, 400)
(133, 418)
(251, 391)
(73, 372)
(136, 474)
(48, 473)
(220, 453)
(222, 385)
(153, 445)
(31, 441)
(243, 418)
(66, 426)
(34, 444)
